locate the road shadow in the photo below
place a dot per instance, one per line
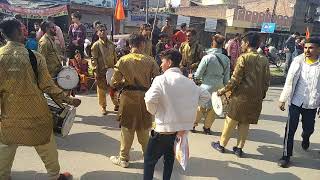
(264, 136)
(227, 170)
(111, 175)
(259, 135)
(108, 122)
(90, 142)
(28, 175)
(267, 117)
(213, 133)
(307, 159)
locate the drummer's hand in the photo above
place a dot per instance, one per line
(220, 92)
(228, 95)
(75, 102)
(282, 106)
(194, 66)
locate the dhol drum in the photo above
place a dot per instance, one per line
(220, 104)
(68, 78)
(63, 117)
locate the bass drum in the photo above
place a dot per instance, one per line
(63, 117)
(68, 78)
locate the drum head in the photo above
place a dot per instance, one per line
(68, 78)
(68, 121)
(217, 104)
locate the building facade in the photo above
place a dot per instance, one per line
(141, 4)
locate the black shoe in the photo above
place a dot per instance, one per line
(218, 147)
(207, 131)
(284, 162)
(305, 144)
(65, 176)
(193, 129)
(237, 151)
(116, 108)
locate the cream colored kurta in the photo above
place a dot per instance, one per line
(24, 109)
(134, 71)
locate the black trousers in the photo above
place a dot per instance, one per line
(159, 145)
(308, 121)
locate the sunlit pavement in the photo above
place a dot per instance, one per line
(94, 138)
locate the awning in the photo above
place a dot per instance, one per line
(36, 4)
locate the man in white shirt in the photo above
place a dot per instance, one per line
(173, 99)
(302, 91)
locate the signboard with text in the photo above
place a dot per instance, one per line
(268, 27)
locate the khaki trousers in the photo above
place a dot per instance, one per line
(229, 126)
(48, 154)
(102, 90)
(209, 116)
(127, 136)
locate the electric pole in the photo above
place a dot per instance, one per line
(147, 11)
(274, 10)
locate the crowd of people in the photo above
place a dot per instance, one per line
(161, 88)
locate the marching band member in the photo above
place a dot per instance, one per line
(25, 118)
(48, 48)
(192, 53)
(103, 57)
(145, 30)
(134, 73)
(248, 86)
(214, 71)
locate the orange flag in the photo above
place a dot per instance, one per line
(119, 11)
(307, 33)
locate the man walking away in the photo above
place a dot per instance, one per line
(174, 112)
(248, 86)
(301, 90)
(214, 71)
(133, 73)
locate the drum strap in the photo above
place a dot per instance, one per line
(33, 62)
(220, 62)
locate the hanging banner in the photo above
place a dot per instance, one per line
(33, 13)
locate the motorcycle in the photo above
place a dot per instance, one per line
(272, 54)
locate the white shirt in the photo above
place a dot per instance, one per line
(308, 81)
(302, 85)
(173, 99)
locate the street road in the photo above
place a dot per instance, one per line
(94, 138)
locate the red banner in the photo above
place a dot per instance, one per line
(34, 13)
